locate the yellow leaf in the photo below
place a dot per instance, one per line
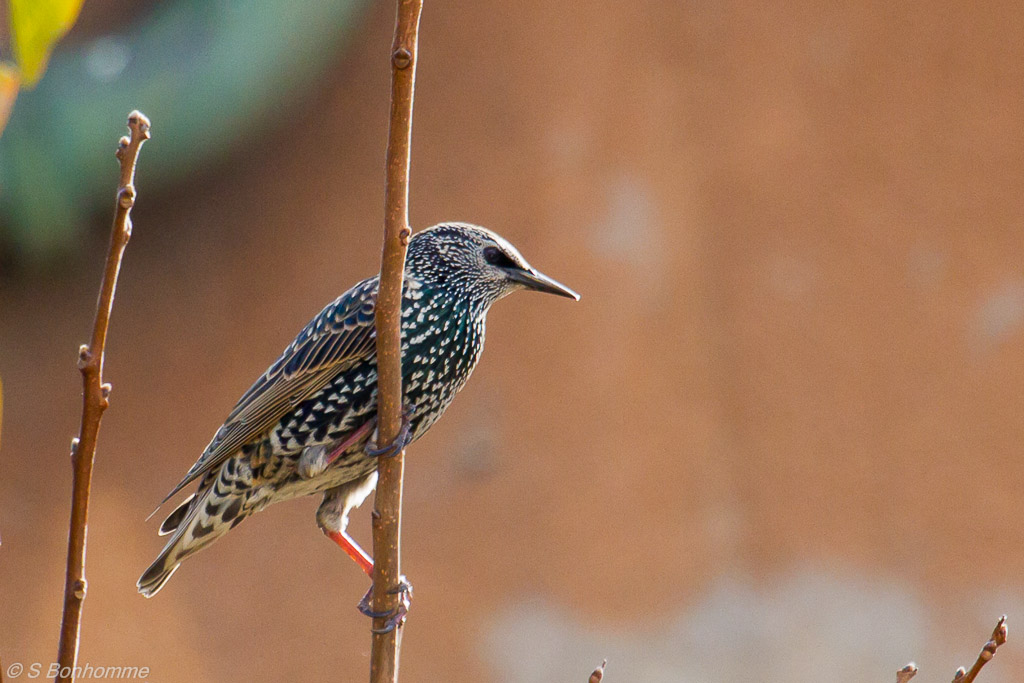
(8, 91)
(35, 26)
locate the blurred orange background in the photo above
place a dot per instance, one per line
(778, 439)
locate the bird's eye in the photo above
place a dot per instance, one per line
(496, 257)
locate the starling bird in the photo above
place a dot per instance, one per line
(307, 425)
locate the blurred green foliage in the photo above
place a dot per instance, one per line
(207, 73)
(36, 25)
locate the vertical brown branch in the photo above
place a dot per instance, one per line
(388, 499)
(95, 396)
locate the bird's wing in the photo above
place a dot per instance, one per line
(339, 336)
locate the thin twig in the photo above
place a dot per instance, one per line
(962, 675)
(906, 673)
(999, 634)
(598, 673)
(388, 499)
(95, 399)
(1, 441)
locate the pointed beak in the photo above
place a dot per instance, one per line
(531, 279)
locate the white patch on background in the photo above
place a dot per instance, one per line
(812, 627)
(1001, 314)
(107, 57)
(631, 232)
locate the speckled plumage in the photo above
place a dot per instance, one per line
(319, 399)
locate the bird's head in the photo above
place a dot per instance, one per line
(469, 259)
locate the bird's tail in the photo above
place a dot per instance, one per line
(196, 523)
(156, 576)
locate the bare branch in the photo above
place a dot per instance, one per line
(95, 398)
(962, 675)
(999, 634)
(388, 499)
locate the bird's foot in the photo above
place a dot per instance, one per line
(313, 461)
(395, 617)
(403, 439)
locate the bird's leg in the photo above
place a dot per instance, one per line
(332, 521)
(332, 518)
(352, 549)
(403, 439)
(395, 617)
(317, 458)
(352, 438)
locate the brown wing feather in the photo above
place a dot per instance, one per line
(339, 336)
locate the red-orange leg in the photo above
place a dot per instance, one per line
(353, 550)
(355, 437)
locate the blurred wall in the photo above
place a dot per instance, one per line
(777, 439)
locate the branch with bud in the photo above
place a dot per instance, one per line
(962, 675)
(95, 397)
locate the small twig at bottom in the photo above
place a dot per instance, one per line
(906, 673)
(962, 675)
(999, 634)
